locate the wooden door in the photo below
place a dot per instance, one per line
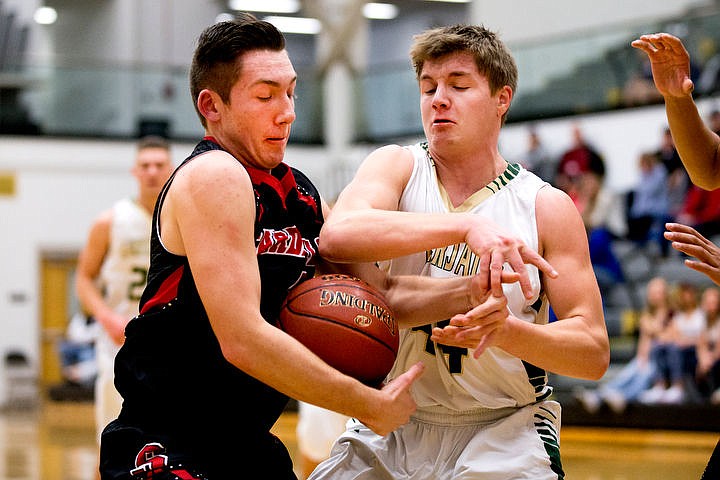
(58, 305)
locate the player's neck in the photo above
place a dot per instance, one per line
(463, 176)
(146, 202)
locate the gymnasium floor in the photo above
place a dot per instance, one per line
(56, 442)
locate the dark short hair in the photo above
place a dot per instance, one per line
(153, 141)
(216, 65)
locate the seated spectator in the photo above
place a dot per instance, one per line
(604, 218)
(675, 353)
(77, 351)
(701, 211)
(537, 159)
(574, 162)
(648, 209)
(678, 180)
(638, 374)
(708, 348)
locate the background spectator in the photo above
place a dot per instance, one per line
(638, 374)
(708, 348)
(604, 218)
(648, 208)
(701, 211)
(574, 162)
(537, 159)
(678, 180)
(675, 354)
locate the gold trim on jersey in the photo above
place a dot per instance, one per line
(510, 172)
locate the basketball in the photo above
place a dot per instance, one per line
(346, 322)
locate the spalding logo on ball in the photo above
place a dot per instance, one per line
(346, 322)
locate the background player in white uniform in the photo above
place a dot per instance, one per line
(112, 267)
(316, 431)
(483, 403)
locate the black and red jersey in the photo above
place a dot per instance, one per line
(177, 387)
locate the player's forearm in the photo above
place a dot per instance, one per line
(419, 300)
(280, 361)
(91, 298)
(694, 141)
(371, 235)
(567, 347)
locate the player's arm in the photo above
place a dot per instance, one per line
(208, 215)
(420, 300)
(576, 344)
(90, 262)
(698, 146)
(365, 224)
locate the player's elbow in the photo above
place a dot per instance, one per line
(597, 372)
(330, 244)
(599, 362)
(707, 181)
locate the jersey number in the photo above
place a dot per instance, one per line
(454, 354)
(136, 287)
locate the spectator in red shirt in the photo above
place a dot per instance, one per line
(702, 211)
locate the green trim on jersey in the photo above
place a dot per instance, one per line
(511, 171)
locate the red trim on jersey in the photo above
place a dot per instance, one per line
(167, 291)
(281, 185)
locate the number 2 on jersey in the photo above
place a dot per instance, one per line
(136, 287)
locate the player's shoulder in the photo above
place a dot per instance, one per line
(391, 151)
(549, 194)
(390, 158)
(215, 169)
(556, 213)
(105, 217)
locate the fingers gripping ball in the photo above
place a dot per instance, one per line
(346, 322)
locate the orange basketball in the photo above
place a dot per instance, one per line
(346, 322)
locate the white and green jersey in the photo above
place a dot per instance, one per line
(122, 280)
(453, 379)
(124, 271)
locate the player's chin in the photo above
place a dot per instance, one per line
(274, 156)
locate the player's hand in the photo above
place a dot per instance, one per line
(495, 247)
(689, 241)
(114, 325)
(396, 403)
(670, 63)
(477, 328)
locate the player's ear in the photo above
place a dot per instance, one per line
(207, 103)
(504, 96)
